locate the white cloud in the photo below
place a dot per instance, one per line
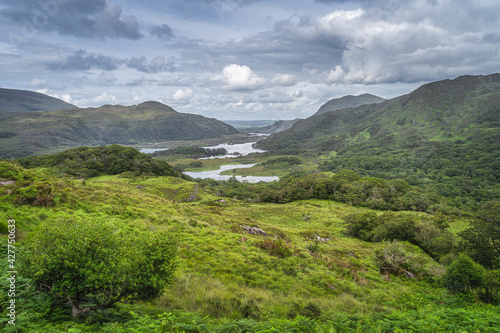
(284, 80)
(38, 83)
(99, 100)
(183, 95)
(240, 78)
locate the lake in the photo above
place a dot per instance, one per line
(215, 174)
(241, 148)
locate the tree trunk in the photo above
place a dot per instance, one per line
(75, 312)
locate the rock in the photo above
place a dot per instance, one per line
(72, 178)
(191, 198)
(222, 201)
(7, 182)
(139, 186)
(81, 179)
(254, 230)
(321, 239)
(409, 274)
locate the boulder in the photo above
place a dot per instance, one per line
(254, 230)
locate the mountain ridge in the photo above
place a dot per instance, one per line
(436, 109)
(26, 133)
(14, 100)
(348, 101)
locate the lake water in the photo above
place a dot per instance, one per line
(241, 148)
(215, 174)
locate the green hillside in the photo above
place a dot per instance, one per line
(348, 102)
(23, 134)
(324, 266)
(12, 100)
(444, 133)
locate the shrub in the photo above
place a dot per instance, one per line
(394, 259)
(463, 275)
(361, 225)
(196, 164)
(92, 266)
(250, 310)
(492, 286)
(395, 227)
(311, 310)
(276, 248)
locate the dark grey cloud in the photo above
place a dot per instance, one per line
(163, 32)
(81, 61)
(79, 18)
(292, 45)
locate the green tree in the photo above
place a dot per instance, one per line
(361, 225)
(93, 266)
(464, 275)
(482, 241)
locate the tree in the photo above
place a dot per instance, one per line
(361, 225)
(93, 265)
(482, 241)
(464, 275)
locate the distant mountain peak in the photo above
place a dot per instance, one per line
(14, 100)
(348, 101)
(154, 105)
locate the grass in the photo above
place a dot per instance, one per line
(223, 271)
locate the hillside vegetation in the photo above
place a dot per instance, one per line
(444, 135)
(348, 101)
(23, 134)
(307, 265)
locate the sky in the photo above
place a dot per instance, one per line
(242, 59)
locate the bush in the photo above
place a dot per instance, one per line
(492, 286)
(394, 259)
(196, 164)
(361, 225)
(276, 248)
(464, 275)
(396, 227)
(91, 265)
(106, 160)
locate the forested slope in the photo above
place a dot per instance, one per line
(445, 132)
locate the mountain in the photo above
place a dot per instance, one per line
(348, 101)
(443, 129)
(332, 105)
(12, 100)
(279, 126)
(23, 134)
(447, 110)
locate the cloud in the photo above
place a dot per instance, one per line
(155, 65)
(79, 18)
(38, 83)
(99, 100)
(172, 80)
(65, 97)
(82, 61)
(183, 95)
(106, 79)
(284, 80)
(240, 78)
(163, 32)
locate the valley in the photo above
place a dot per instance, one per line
(380, 217)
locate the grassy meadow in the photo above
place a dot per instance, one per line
(307, 275)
